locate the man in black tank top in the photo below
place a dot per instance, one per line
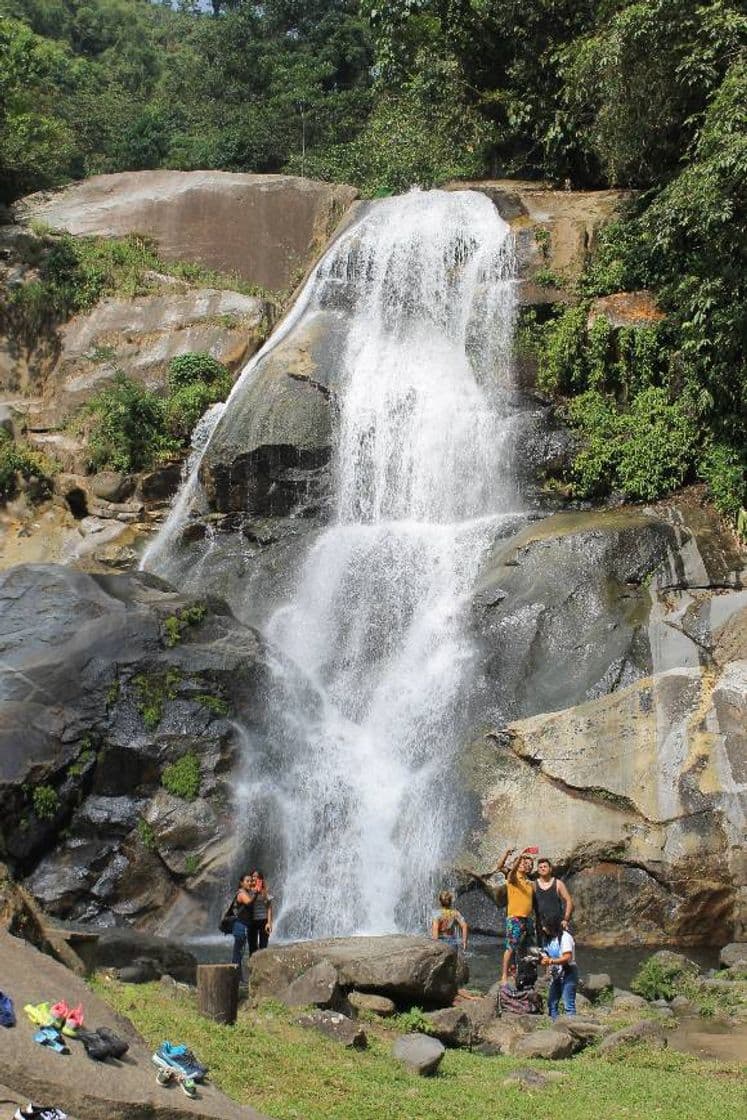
(552, 899)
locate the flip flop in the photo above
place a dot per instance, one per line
(50, 1037)
(38, 1013)
(7, 1011)
(58, 1013)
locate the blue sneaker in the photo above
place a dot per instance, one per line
(7, 1011)
(182, 1060)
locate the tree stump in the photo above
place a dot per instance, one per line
(218, 991)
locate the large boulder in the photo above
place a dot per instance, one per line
(97, 699)
(115, 1090)
(120, 947)
(408, 970)
(262, 227)
(548, 1044)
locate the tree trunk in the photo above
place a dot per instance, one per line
(218, 991)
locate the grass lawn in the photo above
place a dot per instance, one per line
(293, 1074)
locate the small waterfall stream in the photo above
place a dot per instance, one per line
(362, 784)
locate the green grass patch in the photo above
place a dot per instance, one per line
(152, 692)
(46, 802)
(182, 778)
(175, 624)
(266, 1061)
(76, 272)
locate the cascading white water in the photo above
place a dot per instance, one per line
(366, 785)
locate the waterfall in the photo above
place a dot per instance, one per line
(361, 787)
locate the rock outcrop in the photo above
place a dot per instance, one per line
(86, 1090)
(262, 227)
(555, 231)
(408, 970)
(105, 680)
(619, 639)
(141, 336)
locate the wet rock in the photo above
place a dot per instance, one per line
(734, 955)
(648, 1030)
(120, 947)
(161, 483)
(181, 829)
(338, 1027)
(318, 986)
(549, 1044)
(110, 486)
(452, 1026)
(613, 641)
(373, 1004)
(681, 1005)
(596, 984)
(268, 454)
(568, 223)
(408, 970)
(143, 970)
(627, 1001)
(83, 658)
(419, 1053)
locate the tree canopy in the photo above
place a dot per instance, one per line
(646, 94)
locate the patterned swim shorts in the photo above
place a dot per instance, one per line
(518, 930)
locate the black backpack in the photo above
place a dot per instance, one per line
(225, 925)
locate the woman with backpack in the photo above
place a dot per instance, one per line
(243, 907)
(260, 927)
(559, 955)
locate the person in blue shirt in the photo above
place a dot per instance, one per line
(559, 955)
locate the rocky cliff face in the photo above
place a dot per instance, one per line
(615, 739)
(105, 682)
(609, 695)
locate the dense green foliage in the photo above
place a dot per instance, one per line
(650, 94)
(130, 428)
(19, 461)
(182, 778)
(73, 273)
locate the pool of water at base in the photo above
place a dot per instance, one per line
(484, 958)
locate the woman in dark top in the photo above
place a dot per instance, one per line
(242, 921)
(260, 926)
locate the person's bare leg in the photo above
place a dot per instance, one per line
(506, 962)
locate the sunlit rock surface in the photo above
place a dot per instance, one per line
(638, 617)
